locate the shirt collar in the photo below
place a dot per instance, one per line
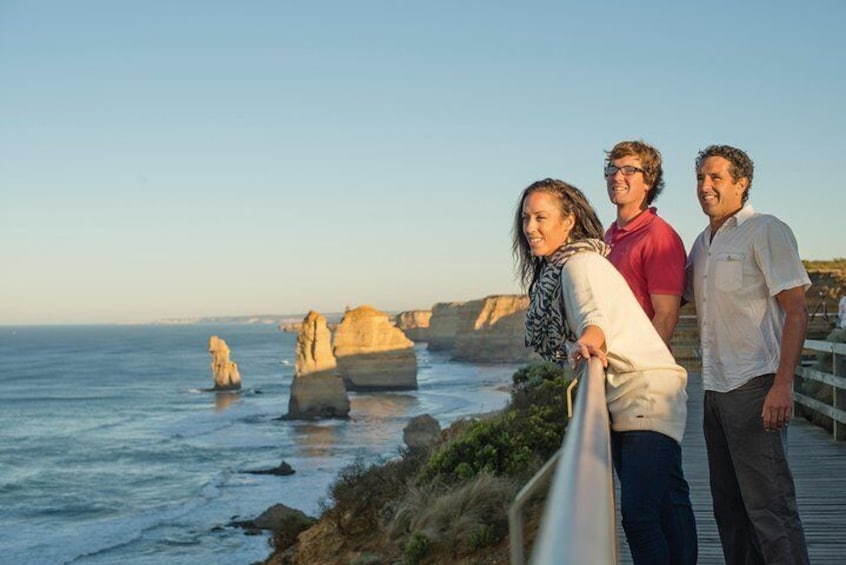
(743, 214)
(641, 220)
(737, 219)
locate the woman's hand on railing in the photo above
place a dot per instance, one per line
(579, 351)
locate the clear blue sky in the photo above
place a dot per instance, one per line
(175, 159)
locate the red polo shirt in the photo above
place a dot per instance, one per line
(650, 255)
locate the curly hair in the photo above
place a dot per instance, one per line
(586, 225)
(650, 159)
(740, 165)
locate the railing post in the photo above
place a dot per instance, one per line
(838, 399)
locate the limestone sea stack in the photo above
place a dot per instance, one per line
(225, 371)
(372, 353)
(414, 324)
(490, 330)
(317, 390)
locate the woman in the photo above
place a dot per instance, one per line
(580, 307)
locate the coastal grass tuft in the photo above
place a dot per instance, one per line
(455, 521)
(414, 550)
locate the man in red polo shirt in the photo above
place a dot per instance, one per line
(645, 249)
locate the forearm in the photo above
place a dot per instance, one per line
(792, 343)
(666, 307)
(665, 325)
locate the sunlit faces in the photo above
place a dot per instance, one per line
(544, 225)
(719, 194)
(627, 192)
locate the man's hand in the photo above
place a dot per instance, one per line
(778, 407)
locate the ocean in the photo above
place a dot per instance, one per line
(112, 450)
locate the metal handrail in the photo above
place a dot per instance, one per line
(579, 522)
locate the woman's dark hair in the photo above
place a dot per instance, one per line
(585, 225)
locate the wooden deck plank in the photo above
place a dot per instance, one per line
(819, 470)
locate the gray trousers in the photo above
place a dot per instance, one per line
(751, 483)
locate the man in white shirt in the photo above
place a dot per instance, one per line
(748, 283)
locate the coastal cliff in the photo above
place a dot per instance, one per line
(414, 324)
(490, 330)
(443, 326)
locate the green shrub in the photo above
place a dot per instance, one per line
(416, 547)
(514, 442)
(537, 373)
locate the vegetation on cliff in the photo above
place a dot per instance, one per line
(837, 264)
(447, 503)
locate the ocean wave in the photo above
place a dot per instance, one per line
(108, 540)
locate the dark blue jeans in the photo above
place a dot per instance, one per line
(655, 499)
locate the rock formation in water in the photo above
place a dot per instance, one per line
(285, 522)
(225, 371)
(491, 330)
(372, 353)
(317, 390)
(283, 469)
(443, 325)
(421, 432)
(414, 324)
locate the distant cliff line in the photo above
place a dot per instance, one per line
(277, 319)
(829, 278)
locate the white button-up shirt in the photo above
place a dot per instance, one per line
(733, 279)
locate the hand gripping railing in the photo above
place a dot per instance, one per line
(579, 520)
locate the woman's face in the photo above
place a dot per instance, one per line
(544, 225)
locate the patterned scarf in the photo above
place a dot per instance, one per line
(547, 330)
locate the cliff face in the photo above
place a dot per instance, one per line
(490, 330)
(317, 390)
(372, 353)
(443, 326)
(414, 324)
(225, 371)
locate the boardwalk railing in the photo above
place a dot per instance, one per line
(579, 521)
(837, 410)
